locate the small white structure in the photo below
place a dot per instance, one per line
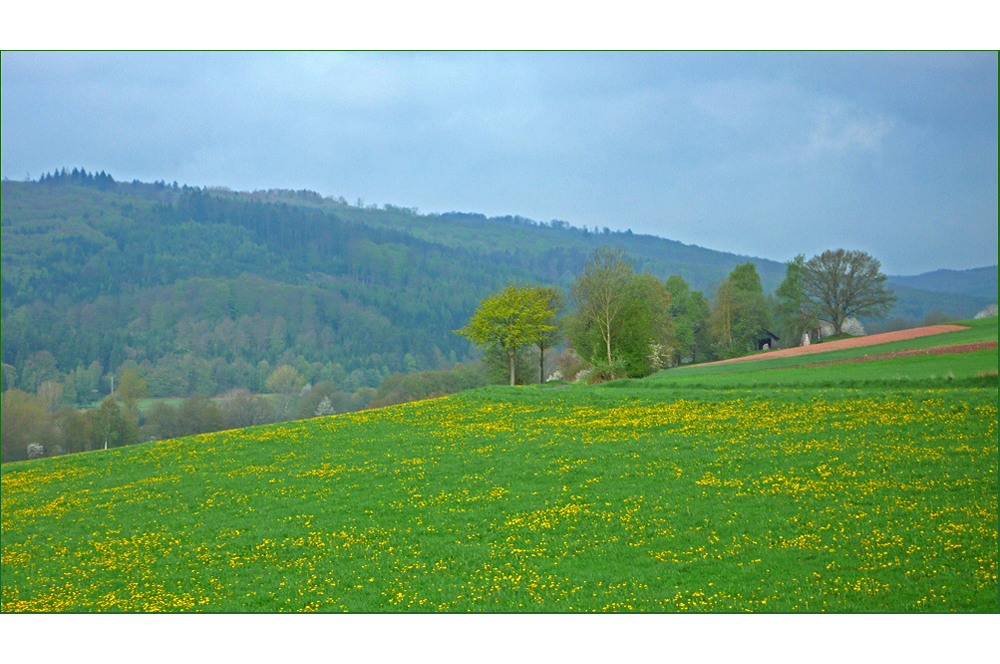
(988, 312)
(851, 326)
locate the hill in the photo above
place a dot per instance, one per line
(208, 289)
(204, 290)
(839, 495)
(916, 304)
(978, 283)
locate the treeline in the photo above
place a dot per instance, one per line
(629, 324)
(43, 424)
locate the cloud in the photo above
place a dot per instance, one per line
(748, 152)
(838, 131)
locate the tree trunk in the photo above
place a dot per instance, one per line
(608, 340)
(510, 354)
(541, 365)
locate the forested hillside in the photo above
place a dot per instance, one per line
(203, 290)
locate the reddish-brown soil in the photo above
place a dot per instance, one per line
(938, 350)
(857, 342)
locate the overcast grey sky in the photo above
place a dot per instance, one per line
(761, 154)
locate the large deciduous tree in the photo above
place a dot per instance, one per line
(846, 283)
(287, 382)
(513, 318)
(690, 313)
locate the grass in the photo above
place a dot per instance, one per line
(633, 496)
(978, 330)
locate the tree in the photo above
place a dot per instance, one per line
(602, 290)
(795, 311)
(555, 303)
(740, 312)
(199, 414)
(50, 392)
(109, 427)
(690, 314)
(286, 381)
(646, 331)
(509, 320)
(162, 422)
(496, 365)
(23, 421)
(642, 332)
(131, 388)
(243, 409)
(843, 284)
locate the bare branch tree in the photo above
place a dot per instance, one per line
(846, 283)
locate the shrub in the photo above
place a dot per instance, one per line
(569, 364)
(603, 372)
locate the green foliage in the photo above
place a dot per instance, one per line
(642, 320)
(619, 309)
(496, 366)
(131, 388)
(601, 293)
(740, 313)
(287, 382)
(23, 421)
(110, 427)
(199, 287)
(601, 371)
(510, 320)
(404, 388)
(795, 311)
(243, 409)
(549, 339)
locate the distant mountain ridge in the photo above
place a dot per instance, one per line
(977, 282)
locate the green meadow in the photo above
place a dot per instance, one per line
(868, 487)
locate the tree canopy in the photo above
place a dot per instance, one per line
(549, 339)
(623, 324)
(796, 312)
(740, 313)
(509, 320)
(842, 284)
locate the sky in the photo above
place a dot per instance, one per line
(764, 154)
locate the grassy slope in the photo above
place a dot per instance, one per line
(639, 496)
(978, 330)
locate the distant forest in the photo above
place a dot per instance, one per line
(205, 293)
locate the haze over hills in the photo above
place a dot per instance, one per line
(208, 289)
(978, 282)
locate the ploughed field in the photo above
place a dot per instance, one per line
(634, 496)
